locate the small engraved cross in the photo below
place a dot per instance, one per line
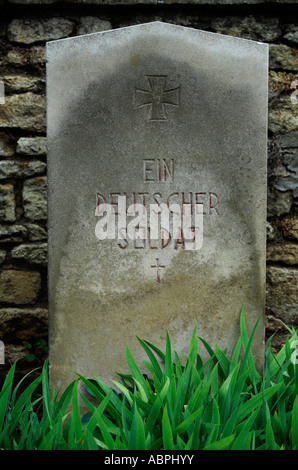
(157, 267)
(157, 97)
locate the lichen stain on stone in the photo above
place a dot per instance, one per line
(134, 59)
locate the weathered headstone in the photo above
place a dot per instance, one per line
(144, 123)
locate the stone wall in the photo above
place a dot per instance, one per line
(25, 26)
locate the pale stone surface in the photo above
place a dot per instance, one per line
(160, 113)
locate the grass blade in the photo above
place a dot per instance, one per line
(46, 393)
(256, 401)
(137, 432)
(156, 367)
(220, 444)
(157, 351)
(167, 435)
(135, 371)
(295, 425)
(155, 410)
(5, 394)
(76, 413)
(169, 362)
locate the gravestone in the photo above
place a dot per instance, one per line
(156, 193)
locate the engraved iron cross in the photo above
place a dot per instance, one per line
(157, 96)
(157, 266)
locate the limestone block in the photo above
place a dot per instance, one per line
(2, 256)
(33, 146)
(22, 83)
(20, 233)
(31, 30)
(282, 293)
(25, 111)
(35, 198)
(283, 57)
(92, 24)
(7, 202)
(19, 287)
(23, 323)
(31, 253)
(290, 226)
(7, 145)
(249, 27)
(283, 117)
(20, 168)
(286, 253)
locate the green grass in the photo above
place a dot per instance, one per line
(220, 404)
